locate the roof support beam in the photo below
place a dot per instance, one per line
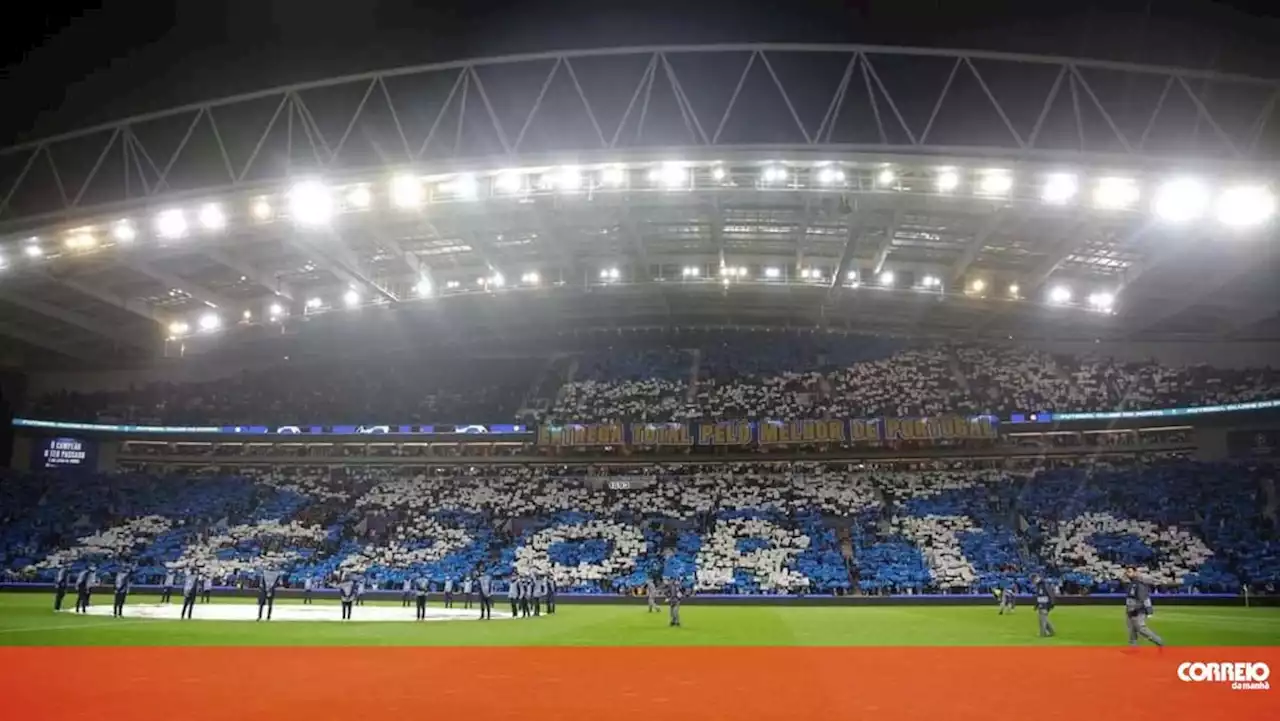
(195, 290)
(72, 318)
(859, 220)
(138, 308)
(273, 284)
(1067, 243)
(807, 216)
(976, 244)
(886, 243)
(333, 255)
(41, 341)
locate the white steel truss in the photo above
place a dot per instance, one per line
(501, 111)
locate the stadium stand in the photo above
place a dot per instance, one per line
(711, 376)
(812, 527)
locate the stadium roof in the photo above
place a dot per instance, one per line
(889, 189)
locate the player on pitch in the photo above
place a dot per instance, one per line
(1043, 591)
(1137, 607)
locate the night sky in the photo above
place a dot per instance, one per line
(91, 62)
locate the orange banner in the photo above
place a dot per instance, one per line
(625, 684)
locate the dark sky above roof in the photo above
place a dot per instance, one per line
(88, 62)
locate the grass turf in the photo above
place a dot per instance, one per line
(27, 620)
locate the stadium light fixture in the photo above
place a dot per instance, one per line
(886, 177)
(886, 278)
(177, 329)
(464, 187)
(497, 281)
(772, 273)
(948, 180)
(690, 271)
(774, 174)
(310, 203)
(210, 322)
(123, 231)
(261, 209)
(407, 192)
(81, 240)
(1060, 188)
(1102, 301)
(742, 271)
(351, 298)
(4, 263)
(1115, 193)
(276, 310)
(509, 181)
(531, 278)
(314, 303)
(247, 315)
(978, 285)
(830, 175)
(672, 176)
(610, 274)
(567, 179)
(995, 182)
(452, 285)
(360, 197)
(423, 287)
(718, 173)
(211, 217)
(1181, 200)
(1245, 206)
(931, 281)
(613, 176)
(32, 249)
(1060, 294)
(171, 223)
(1013, 290)
(851, 276)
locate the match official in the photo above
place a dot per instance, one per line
(306, 591)
(59, 588)
(84, 588)
(448, 593)
(513, 595)
(551, 595)
(347, 595)
(651, 590)
(267, 592)
(421, 588)
(537, 590)
(466, 591)
(1044, 604)
(675, 594)
(1137, 607)
(123, 583)
(206, 588)
(190, 586)
(486, 597)
(406, 591)
(166, 591)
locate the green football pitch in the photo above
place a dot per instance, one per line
(27, 619)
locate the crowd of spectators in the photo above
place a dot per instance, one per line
(722, 376)
(740, 528)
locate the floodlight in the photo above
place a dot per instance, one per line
(774, 174)
(212, 217)
(81, 240)
(978, 285)
(33, 249)
(247, 315)
(613, 176)
(497, 281)
(690, 271)
(171, 223)
(830, 175)
(310, 203)
(718, 173)
(1059, 188)
(947, 180)
(423, 288)
(567, 179)
(1013, 290)
(314, 303)
(276, 310)
(1060, 294)
(531, 278)
(123, 231)
(1245, 206)
(360, 197)
(351, 298)
(1181, 200)
(1101, 301)
(509, 181)
(178, 329)
(407, 192)
(931, 281)
(887, 278)
(886, 177)
(210, 322)
(772, 272)
(995, 182)
(1115, 193)
(464, 186)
